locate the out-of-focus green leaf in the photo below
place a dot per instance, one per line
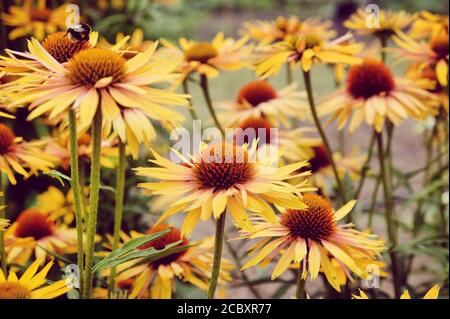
(58, 175)
(129, 251)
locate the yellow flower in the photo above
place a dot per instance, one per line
(307, 50)
(34, 232)
(373, 95)
(4, 223)
(433, 53)
(135, 44)
(35, 20)
(258, 98)
(224, 176)
(100, 78)
(209, 58)
(25, 158)
(280, 29)
(58, 205)
(192, 265)
(433, 293)
(383, 25)
(308, 237)
(31, 285)
(428, 24)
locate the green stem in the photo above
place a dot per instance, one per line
(191, 106)
(118, 209)
(205, 89)
(366, 167)
(390, 214)
(2, 234)
(308, 86)
(300, 291)
(218, 245)
(76, 189)
(383, 42)
(93, 202)
(288, 74)
(373, 202)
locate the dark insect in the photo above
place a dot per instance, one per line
(79, 32)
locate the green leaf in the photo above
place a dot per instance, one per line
(128, 251)
(73, 294)
(58, 175)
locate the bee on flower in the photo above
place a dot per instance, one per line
(32, 284)
(157, 279)
(308, 237)
(96, 78)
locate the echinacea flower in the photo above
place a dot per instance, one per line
(33, 232)
(208, 58)
(223, 176)
(306, 50)
(192, 265)
(431, 54)
(433, 293)
(309, 237)
(58, 205)
(384, 24)
(32, 284)
(135, 44)
(428, 24)
(295, 145)
(99, 78)
(372, 95)
(17, 155)
(259, 98)
(35, 20)
(281, 28)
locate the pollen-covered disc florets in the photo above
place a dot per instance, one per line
(33, 223)
(223, 167)
(256, 92)
(315, 222)
(61, 47)
(370, 78)
(90, 65)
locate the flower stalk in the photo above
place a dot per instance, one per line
(205, 90)
(76, 189)
(93, 209)
(300, 291)
(312, 105)
(389, 213)
(218, 245)
(118, 208)
(2, 234)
